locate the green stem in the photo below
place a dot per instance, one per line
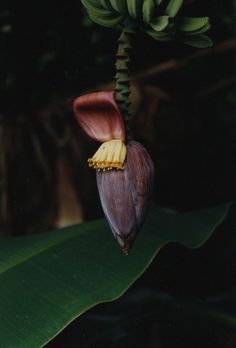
(122, 90)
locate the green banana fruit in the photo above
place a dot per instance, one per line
(189, 24)
(119, 5)
(159, 35)
(107, 21)
(199, 31)
(96, 9)
(174, 7)
(110, 13)
(135, 8)
(198, 41)
(160, 23)
(106, 4)
(148, 10)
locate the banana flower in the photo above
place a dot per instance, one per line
(124, 170)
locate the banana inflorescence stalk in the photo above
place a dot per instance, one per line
(122, 90)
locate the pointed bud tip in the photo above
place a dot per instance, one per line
(126, 252)
(124, 242)
(126, 248)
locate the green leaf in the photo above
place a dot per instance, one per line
(173, 7)
(48, 280)
(160, 23)
(198, 41)
(191, 24)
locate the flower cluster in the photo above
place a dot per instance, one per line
(125, 171)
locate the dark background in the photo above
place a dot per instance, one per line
(184, 115)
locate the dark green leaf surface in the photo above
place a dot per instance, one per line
(48, 280)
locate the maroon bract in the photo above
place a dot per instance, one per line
(99, 116)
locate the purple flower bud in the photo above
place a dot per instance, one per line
(125, 194)
(125, 173)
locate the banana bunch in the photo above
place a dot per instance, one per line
(158, 18)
